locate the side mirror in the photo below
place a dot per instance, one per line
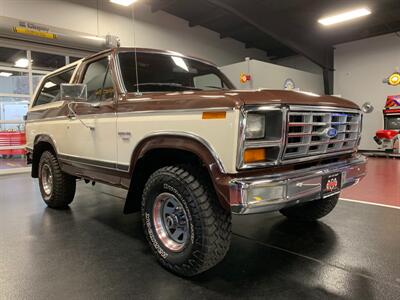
(367, 108)
(73, 92)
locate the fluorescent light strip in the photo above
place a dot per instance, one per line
(123, 2)
(345, 16)
(22, 63)
(5, 74)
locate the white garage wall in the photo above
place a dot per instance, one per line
(360, 68)
(267, 75)
(154, 30)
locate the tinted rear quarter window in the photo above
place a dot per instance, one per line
(50, 89)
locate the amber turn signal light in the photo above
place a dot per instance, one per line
(214, 115)
(255, 155)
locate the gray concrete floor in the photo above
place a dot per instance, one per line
(93, 251)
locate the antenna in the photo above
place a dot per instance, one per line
(135, 50)
(97, 4)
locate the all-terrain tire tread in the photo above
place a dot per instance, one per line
(216, 221)
(64, 185)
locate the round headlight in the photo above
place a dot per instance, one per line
(255, 126)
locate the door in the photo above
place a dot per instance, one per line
(91, 135)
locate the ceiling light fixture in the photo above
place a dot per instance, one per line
(22, 63)
(345, 16)
(5, 74)
(123, 2)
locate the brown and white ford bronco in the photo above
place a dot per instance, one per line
(189, 148)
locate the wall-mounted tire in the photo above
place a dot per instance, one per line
(57, 188)
(311, 211)
(186, 227)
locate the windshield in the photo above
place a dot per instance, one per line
(169, 73)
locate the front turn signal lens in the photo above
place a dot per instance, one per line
(255, 155)
(214, 115)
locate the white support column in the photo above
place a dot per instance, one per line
(30, 75)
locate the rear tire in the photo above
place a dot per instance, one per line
(57, 188)
(311, 211)
(187, 229)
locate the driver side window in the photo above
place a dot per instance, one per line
(98, 80)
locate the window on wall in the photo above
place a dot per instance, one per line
(14, 82)
(36, 78)
(15, 93)
(13, 110)
(73, 59)
(47, 61)
(10, 57)
(22, 70)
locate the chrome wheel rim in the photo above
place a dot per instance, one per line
(170, 221)
(47, 180)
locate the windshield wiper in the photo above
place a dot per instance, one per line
(172, 84)
(216, 87)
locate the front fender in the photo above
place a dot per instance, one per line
(182, 142)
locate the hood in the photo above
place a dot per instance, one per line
(259, 97)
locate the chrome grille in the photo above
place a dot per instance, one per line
(312, 132)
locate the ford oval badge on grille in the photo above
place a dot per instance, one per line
(331, 132)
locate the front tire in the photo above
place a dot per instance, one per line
(187, 229)
(57, 188)
(311, 211)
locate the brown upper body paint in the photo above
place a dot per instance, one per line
(226, 99)
(195, 100)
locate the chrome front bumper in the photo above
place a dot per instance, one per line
(276, 191)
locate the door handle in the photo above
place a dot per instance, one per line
(125, 135)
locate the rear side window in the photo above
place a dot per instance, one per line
(50, 90)
(99, 81)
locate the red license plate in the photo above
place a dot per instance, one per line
(331, 183)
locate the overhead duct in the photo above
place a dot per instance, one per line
(34, 32)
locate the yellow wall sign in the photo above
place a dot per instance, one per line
(38, 33)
